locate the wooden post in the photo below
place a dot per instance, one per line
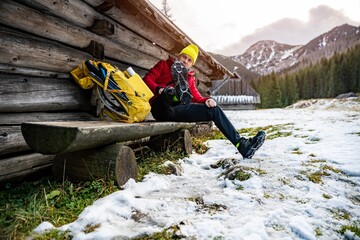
(201, 128)
(113, 162)
(176, 140)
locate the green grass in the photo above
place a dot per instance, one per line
(296, 151)
(272, 131)
(25, 206)
(167, 234)
(53, 234)
(317, 161)
(240, 187)
(198, 142)
(340, 214)
(199, 146)
(242, 176)
(353, 228)
(267, 195)
(151, 161)
(332, 169)
(316, 176)
(323, 170)
(327, 196)
(318, 232)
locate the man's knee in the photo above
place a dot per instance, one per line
(216, 112)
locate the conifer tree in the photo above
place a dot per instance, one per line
(292, 90)
(339, 75)
(166, 9)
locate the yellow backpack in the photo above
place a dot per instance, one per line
(125, 98)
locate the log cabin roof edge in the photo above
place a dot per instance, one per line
(156, 17)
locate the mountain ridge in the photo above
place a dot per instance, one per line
(266, 56)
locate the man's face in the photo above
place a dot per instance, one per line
(186, 60)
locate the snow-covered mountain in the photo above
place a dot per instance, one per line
(266, 56)
(235, 66)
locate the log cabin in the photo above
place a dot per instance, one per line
(42, 41)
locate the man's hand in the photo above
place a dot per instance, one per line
(210, 103)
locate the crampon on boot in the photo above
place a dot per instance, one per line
(179, 75)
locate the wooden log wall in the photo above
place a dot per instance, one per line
(40, 43)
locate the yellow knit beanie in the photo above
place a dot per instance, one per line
(192, 51)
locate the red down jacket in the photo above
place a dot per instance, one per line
(160, 76)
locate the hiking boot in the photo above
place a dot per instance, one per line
(180, 78)
(248, 147)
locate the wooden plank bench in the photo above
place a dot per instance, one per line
(97, 149)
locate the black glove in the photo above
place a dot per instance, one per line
(169, 91)
(168, 94)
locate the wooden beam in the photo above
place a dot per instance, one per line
(11, 140)
(112, 162)
(201, 77)
(74, 11)
(124, 14)
(61, 137)
(24, 18)
(52, 28)
(19, 118)
(32, 94)
(88, 18)
(177, 141)
(15, 168)
(7, 68)
(203, 89)
(22, 50)
(26, 52)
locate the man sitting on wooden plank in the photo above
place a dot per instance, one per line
(177, 99)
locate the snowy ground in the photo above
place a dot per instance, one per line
(278, 201)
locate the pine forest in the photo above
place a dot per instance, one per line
(324, 79)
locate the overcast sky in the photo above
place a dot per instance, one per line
(229, 27)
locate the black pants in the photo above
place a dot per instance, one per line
(194, 112)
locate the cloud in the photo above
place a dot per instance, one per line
(292, 31)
